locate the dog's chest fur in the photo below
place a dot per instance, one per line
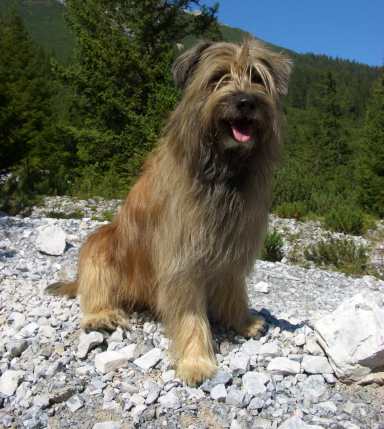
(214, 226)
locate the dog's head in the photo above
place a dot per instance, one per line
(234, 90)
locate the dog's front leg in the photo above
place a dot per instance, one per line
(183, 309)
(229, 307)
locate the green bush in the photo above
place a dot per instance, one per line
(295, 210)
(347, 219)
(273, 247)
(77, 214)
(340, 254)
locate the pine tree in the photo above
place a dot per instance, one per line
(122, 82)
(371, 160)
(25, 92)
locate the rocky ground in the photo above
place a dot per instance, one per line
(53, 375)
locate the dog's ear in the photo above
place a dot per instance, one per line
(186, 63)
(282, 67)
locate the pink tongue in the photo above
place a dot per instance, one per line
(241, 135)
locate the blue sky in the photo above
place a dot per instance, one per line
(349, 29)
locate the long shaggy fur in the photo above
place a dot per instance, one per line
(190, 229)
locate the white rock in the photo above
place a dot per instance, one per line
(47, 331)
(235, 424)
(300, 340)
(283, 366)
(374, 378)
(262, 287)
(74, 403)
(110, 361)
(17, 320)
(219, 392)
(255, 383)
(137, 399)
(352, 336)
(314, 388)
(316, 365)
(149, 360)
(239, 363)
(87, 342)
(297, 423)
(270, 349)
(9, 381)
(51, 240)
(129, 351)
(251, 348)
(41, 401)
(138, 410)
(107, 425)
(313, 348)
(170, 400)
(117, 336)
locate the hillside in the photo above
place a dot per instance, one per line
(331, 111)
(45, 21)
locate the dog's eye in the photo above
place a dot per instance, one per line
(215, 78)
(256, 78)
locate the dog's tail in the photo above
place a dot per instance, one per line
(63, 288)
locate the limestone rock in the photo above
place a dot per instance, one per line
(51, 240)
(149, 359)
(262, 287)
(283, 366)
(87, 342)
(9, 382)
(316, 365)
(352, 336)
(255, 383)
(219, 392)
(110, 361)
(107, 425)
(297, 423)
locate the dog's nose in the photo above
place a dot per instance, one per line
(246, 104)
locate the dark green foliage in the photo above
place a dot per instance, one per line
(273, 247)
(77, 214)
(296, 210)
(340, 254)
(85, 128)
(344, 218)
(44, 20)
(123, 84)
(25, 94)
(370, 163)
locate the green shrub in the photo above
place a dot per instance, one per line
(77, 214)
(108, 215)
(347, 219)
(273, 247)
(295, 210)
(340, 254)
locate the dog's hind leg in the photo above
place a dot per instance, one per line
(101, 289)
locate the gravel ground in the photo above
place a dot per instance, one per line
(53, 375)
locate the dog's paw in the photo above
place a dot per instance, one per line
(104, 321)
(255, 327)
(193, 371)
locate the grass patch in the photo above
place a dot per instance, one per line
(349, 220)
(77, 214)
(296, 210)
(273, 247)
(339, 254)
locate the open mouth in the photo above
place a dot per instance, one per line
(241, 131)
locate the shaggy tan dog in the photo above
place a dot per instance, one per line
(190, 229)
